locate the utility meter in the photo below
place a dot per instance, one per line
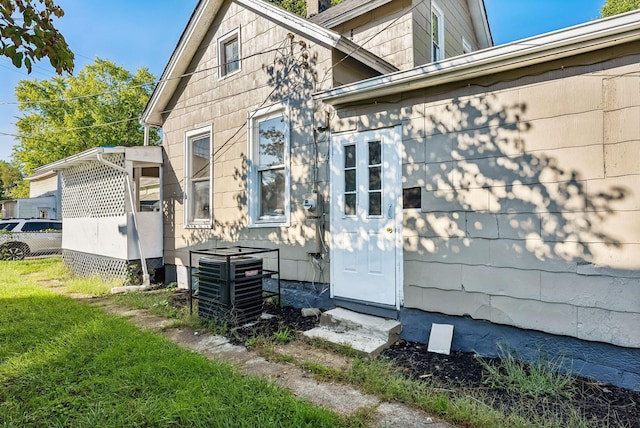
(309, 204)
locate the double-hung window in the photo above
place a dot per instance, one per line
(229, 53)
(269, 167)
(437, 32)
(198, 178)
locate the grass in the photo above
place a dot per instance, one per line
(535, 379)
(91, 379)
(64, 363)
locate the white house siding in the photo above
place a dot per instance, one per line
(204, 100)
(530, 204)
(43, 186)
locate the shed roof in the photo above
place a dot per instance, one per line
(144, 154)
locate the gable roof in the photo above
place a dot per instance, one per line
(559, 44)
(199, 24)
(350, 9)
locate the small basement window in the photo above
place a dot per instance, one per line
(412, 198)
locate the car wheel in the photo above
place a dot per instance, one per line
(14, 251)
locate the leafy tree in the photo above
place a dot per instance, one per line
(615, 7)
(10, 178)
(65, 115)
(299, 7)
(27, 34)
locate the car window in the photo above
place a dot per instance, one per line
(36, 226)
(7, 226)
(55, 226)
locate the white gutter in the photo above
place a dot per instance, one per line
(145, 273)
(559, 44)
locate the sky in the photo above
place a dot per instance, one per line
(143, 33)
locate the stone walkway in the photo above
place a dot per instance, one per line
(338, 397)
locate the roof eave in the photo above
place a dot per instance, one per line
(189, 42)
(560, 44)
(481, 23)
(199, 25)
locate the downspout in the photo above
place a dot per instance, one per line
(145, 274)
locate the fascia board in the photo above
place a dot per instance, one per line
(180, 59)
(364, 56)
(293, 22)
(150, 152)
(481, 23)
(318, 33)
(560, 44)
(354, 13)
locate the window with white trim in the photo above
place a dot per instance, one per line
(198, 178)
(437, 33)
(269, 177)
(229, 53)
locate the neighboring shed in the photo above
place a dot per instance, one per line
(111, 210)
(520, 183)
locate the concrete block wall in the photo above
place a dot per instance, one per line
(206, 99)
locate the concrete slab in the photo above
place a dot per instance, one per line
(367, 345)
(367, 334)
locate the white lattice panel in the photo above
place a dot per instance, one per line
(93, 189)
(83, 264)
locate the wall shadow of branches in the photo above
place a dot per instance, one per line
(482, 181)
(290, 74)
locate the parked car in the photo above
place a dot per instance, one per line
(20, 238)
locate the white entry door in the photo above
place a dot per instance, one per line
(366, 216)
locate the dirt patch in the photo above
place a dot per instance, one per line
(303, 352)
(605, 405)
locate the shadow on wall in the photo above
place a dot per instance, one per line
(482, 182)
(291, 77)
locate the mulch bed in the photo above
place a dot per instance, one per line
(605, 405)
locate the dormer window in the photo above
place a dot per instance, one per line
(229, 53)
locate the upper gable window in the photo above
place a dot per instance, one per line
(198, 174)
(229, 53)
(437, 32)
(269, 167)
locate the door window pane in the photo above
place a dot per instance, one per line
(375, 155)
(350, 179)
(350, 204)
(375, 178)
(350, 156)
(375, 203)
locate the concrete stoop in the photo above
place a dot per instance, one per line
(367, 334)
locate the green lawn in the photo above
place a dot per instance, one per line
(64, 363)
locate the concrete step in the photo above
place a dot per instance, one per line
(365, 333)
